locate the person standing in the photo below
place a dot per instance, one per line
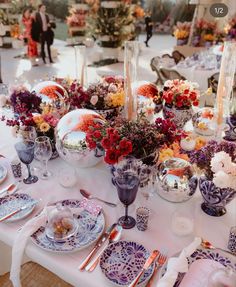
(44, 28)
(27, 21)
(149, 27)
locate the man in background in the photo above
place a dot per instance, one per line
(44, 27)
(149, 27)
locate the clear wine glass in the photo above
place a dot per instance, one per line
(25, 151)
(127, 186)
(43, 152)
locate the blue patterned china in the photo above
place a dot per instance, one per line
(122, 261)
(232, 240)
(13, 202)
(200, 253)
(3, 173)
(215, 198)
(90, 228)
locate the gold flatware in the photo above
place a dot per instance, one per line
(28, 205)
(8, 189)
(207, 245)
(113, 237)
(146, 265)
(160, 261)
(99, 243)
(88, 195)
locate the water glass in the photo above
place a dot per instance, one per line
(43, 152)
(182, 222)
(142, 217)
(16, 168)
(232, 240)
(25, 151)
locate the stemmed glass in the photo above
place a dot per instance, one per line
(127, 186)
(43, 152)
(25, 151)
(126, 179)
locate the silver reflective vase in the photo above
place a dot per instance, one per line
(176, 180)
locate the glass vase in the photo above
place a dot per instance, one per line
(130, 74)
(81, 65)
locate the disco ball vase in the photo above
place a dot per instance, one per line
(54, 97)
(70, 135)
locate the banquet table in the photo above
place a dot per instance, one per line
(98, 181)
(197, 75)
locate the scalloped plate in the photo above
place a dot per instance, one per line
(90, 229)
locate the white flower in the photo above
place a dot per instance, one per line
(221, 161)
(94, 100)
(222, 179)
(3, 100)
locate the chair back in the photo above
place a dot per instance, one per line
(155, 66)
(177, 56)
(169, 74)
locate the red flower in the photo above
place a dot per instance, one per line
(193, 96)
(125, 147)
(186, 92)
(195, 103)
(106, 143)
(92, 144)
(179, 104)
(110, 131)
(111, 156)
(114, 138)
(97, 134)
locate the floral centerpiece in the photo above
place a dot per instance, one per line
(77, 22)
(231, 29)
(179, 97)
(153, 96)
(209, 32)
(198, 32)
(139, 139)
(181, 32)
(30, 112)
(217, 163)
(106, 96)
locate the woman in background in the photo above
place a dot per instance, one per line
(27, 20)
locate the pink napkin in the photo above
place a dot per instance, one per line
(90, 206)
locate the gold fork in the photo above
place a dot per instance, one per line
(160, 261)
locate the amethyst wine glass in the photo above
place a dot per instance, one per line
(25, 151)
(127, 186)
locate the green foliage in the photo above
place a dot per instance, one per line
(57, 8)
(112, 22)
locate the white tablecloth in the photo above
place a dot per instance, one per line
(98, 181)
(193, 74)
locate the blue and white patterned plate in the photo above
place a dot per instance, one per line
(219, 256)
(122, 261)
(3, 173)
(13, 202)
(90, 229)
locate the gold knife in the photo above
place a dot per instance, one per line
(96, 247)
(147, 264)
(28, 205)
